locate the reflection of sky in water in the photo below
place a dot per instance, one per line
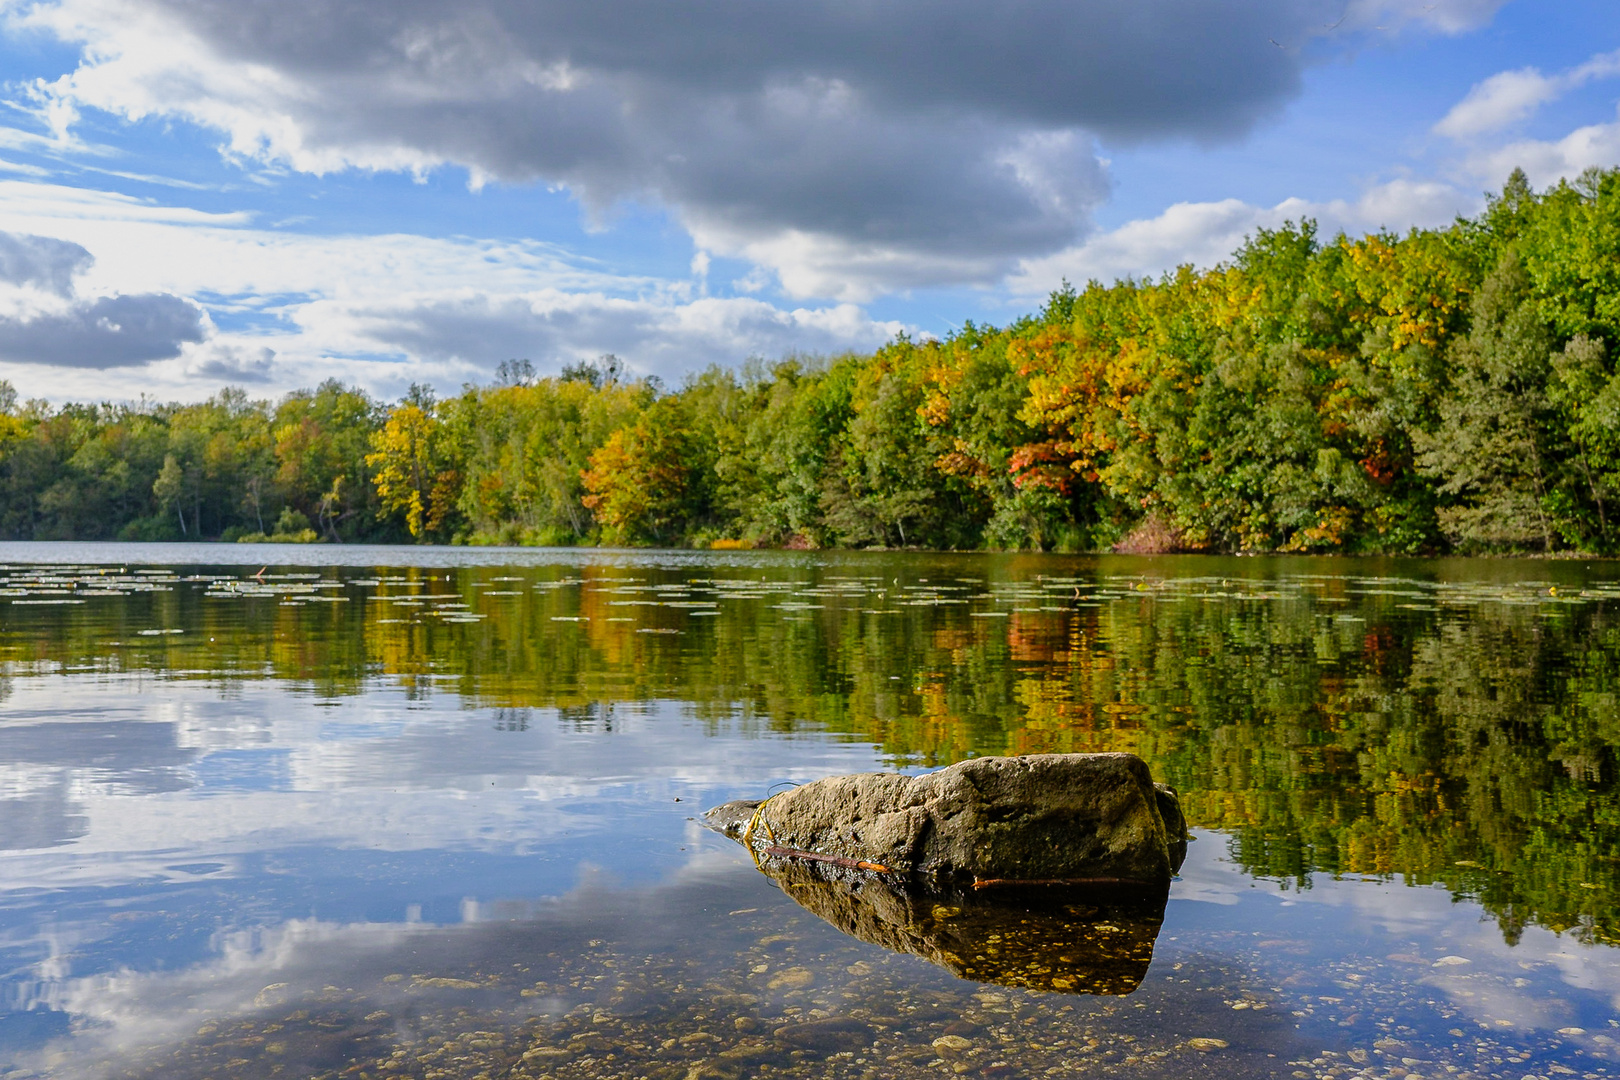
(196, 777)
(178, 857)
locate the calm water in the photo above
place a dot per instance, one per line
(430, 813)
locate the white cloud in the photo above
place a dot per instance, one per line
(1204, 234)
(1548, 161)
(1509, 97)
(817, 264)
(1498, 102)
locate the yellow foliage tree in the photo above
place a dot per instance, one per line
(639, 479)
(410, 470)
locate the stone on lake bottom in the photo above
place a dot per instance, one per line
(828, 1036)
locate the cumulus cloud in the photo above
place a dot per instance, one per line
(1509, 97)
(110, 331)
(851, 148)
(1204, 234)
(233, 363)
(41, 261)
(1546, 161)
(86, 332)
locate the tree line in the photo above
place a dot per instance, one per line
(1445, 389)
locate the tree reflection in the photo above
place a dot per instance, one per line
(1458, 732)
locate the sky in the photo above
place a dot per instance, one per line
(271, 193)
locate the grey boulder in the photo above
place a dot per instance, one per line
(995, 820)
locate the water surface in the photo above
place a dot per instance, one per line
(430, 812)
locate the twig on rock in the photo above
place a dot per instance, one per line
(834, 860)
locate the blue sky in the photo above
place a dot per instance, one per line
(196, 193)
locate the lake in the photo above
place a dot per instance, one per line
(429, 812)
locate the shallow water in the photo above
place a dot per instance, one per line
(431, 812)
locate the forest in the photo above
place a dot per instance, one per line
(1447, 389)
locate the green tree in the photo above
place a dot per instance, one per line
(526, 445)
(322, 439)
(1587, 394)
(169, 488)
(1494, 452)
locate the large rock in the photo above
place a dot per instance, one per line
(1040, 817)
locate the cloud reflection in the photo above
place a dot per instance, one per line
(187, 774)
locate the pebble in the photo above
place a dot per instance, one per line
(830, 1035)
(792, 978)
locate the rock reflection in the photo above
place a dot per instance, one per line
(1067, 939)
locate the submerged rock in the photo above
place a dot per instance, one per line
(994, 820)
(1076, 940)
(828, 1036)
